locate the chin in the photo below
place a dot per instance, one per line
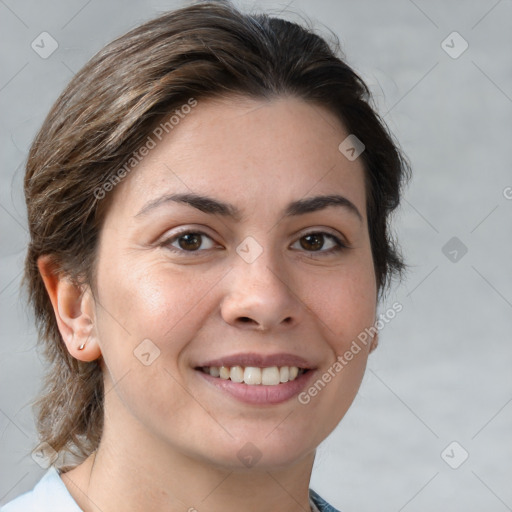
(260, 454)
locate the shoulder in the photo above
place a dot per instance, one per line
(320, 503)
(49, 495)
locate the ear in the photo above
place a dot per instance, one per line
(73, 306)
(375, 342)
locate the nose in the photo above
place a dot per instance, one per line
(260, 297)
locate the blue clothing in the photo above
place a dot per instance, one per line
(321, 504)
(50, 494)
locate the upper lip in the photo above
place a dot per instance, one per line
(259, 360)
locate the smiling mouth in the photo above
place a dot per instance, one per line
(253, 375)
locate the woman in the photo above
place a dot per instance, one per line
(208, 204)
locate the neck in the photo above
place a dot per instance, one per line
(133, 472)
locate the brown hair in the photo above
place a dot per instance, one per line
(106, 113)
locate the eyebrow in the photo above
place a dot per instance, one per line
(215, 207)
(313, 204)
(202, 203)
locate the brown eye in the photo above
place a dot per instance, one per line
(190, 241)
(313, 242)
(323, 243)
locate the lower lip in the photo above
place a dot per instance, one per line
(260, 394)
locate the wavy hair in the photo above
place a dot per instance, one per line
(205, 50)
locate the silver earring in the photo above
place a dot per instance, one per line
(81, 347)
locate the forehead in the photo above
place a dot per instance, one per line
(254, 151)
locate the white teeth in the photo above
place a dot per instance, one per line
(270, 376)
(236, 374)
(253, 376)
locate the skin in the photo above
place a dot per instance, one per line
(171, 440)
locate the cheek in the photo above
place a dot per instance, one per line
(344, 301)
(151, 301)
(344, 305)
(146, 318)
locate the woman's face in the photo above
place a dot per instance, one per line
(223, 248)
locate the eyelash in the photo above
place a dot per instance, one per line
(338, 247)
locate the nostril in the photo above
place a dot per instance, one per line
(247, 320)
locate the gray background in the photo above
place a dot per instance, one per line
(442, 372)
